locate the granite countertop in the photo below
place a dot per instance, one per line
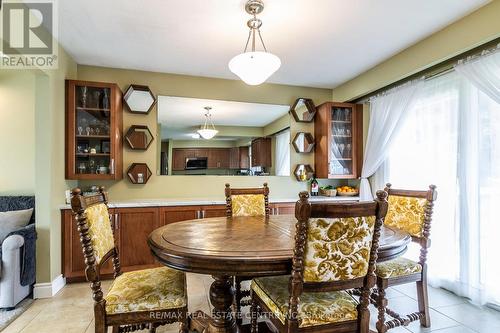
(203, 201)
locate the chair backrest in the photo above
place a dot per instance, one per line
(336, 247)
(411, 210)
(247, 201)
(338, 239)
(96, 235)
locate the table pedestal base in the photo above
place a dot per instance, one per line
(222, 319)
(201, 322)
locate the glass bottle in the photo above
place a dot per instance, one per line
(314, 186)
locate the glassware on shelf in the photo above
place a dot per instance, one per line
(87, 130)
(92, 166)
(341, 150)
(348, 132)
(80, 130)
(347, 115)
(105, 100)
(83, 96)
(96, 98)
(348, 147)
(82, 168)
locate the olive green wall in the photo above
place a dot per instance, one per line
(17, 132)
(32, 144)
(473, 30)
(198, 87)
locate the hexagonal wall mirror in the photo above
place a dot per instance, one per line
(139, 99)
(303, 110)
(139, 173)
(303, 172)
(139, 137)
(303, 142)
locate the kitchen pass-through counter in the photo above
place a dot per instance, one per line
(134, 220)
(204, 201)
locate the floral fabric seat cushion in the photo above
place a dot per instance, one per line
(397, 267)
(338, 249)
(315, 308)
(248, 205)
(100, 231)
(406, 213)
(149, 289)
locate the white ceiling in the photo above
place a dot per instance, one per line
(179, 116)
(321, 43)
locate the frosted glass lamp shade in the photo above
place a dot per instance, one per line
(207, 133)
(254, 68)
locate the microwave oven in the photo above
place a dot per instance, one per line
(196, 163)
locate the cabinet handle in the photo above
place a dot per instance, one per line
(117, 222)
(202, 214)
(198, 214)
(277, 211)
(112, 167)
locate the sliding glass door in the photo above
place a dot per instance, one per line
(451, 138)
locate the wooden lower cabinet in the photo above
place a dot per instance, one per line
(282, 208)
(213, 211)
(182, 213)
(132, 228)
(176, 214)
(72, 252)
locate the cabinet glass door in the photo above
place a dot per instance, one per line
(93, 131)
(341, 154)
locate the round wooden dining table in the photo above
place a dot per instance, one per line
(239, 246)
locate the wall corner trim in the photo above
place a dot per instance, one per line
(49, 289)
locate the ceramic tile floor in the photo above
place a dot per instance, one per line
(70, 311)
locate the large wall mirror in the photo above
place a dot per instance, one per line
(214, 137)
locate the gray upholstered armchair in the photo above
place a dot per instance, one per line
(17, 252)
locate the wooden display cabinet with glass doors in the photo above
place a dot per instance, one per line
(338, 130)
(93, 131)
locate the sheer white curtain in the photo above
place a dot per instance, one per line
(426, 152)
(387, 113)
(282, 153)
(452, 139)
(479, 174)
(484, 73)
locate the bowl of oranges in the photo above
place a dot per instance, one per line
(347, 191)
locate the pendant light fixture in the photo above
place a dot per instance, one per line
(254, 67)
(208, 131)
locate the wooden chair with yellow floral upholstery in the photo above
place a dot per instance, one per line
(136, 300)
(245, 202)
(410, 211)
(335, 250)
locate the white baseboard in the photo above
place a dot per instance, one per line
(49, 289)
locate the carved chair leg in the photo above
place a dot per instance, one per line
(423, 301)
(184, 324)
(152, 328)
(254, 315)
(381, 305)
(100, 327)
(237, 300)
